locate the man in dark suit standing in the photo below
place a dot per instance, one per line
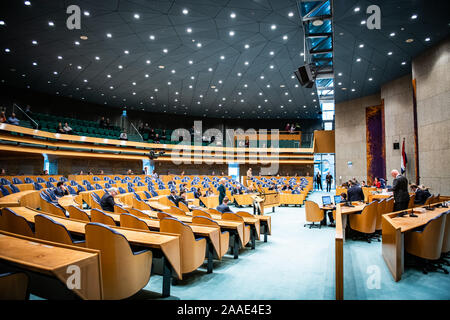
(329, 179)
(355, 193)
(400, 189)
(223, 207)
(319, 181)
(222, 191)
(107, 201)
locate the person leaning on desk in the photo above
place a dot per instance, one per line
(400, 189)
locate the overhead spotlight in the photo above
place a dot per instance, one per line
(317, 23)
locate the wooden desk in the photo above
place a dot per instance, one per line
(210, 202)
(270, 200)
(243, 199)
(168, 244)
(29, 198)
(394, 228)
(54, 259)
(378, 196)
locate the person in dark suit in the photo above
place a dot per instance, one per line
(173, 197)
(60, 190)
(237, 190)
(329, 179)
(422, 194)
(319, 181)
(355, 193)
(400, 189)
(107, 201)
(222, 191)
(223, 207)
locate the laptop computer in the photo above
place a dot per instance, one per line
(326, 200)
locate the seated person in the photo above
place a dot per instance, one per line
(355, 193)
(151, 134)
(123, 136)
(107, 123)
(197, 194)
(60, 190)
(173, 197)
(102, 122)
(209, 192)
(237, 190)
(156, 140)
(59, 128)
(422, 194)
(67, 129)
(107, 201)
(376, 183)
(13, 120)
(182, 197)
(222, 208)
(3, 117)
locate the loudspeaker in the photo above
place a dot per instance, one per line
(396, 145)
(304, 76)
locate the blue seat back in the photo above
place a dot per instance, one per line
(4, 191)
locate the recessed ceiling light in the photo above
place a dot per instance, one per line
(363, 22)
(409, 40)
(403, 63)
(34, 42)
(246, 46)
(50, 23)
(317, 22)
(185, 11)
(85, 80)
(86, 13)
(273, 27)
(152, 37)
(79, 67)
(188, 30)
(136, 16)
(97, 58)
(246, 63)
(27, 3)
(231, 33)
(146, 75)
(126, 52)
(233, 15)
(220, 81)
(199, 45)
(210, 69)
(7, 50)
(120, 66)
(108, 76)
(353, 90)
(148, 62)
(192, 77)
(77, 43)
(222, 57)
(191, 62)
(173, 71)
(285, 37)
(390, 53)
(109, 35)
(427, 39)
(60, 57)
(370, 79)
(340, 83)
(358, 60)
(361, 45)
(290, 14)
(239, 74)
(356, 9)
(271, 53)
(55, 73)
(340, 74)
(34, 63)
(262, 77)
(169, 83)
(414, 16)
(165, 50)
(271, 66)
(392, 34)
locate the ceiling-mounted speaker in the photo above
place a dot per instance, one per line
(304, 76)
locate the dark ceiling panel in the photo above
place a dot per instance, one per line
(236, 77)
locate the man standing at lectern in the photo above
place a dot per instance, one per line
(400, 189)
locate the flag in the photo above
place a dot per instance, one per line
(404, 159)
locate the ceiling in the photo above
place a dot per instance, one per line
(125, 69)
